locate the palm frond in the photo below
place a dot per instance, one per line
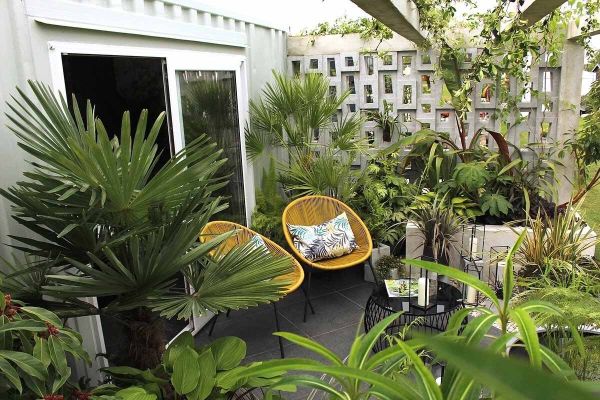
(239, 279)
(126, 225)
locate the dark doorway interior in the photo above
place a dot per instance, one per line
(115, 84)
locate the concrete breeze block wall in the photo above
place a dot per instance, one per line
(405, 77)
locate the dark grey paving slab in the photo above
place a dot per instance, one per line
(256, 329)
(323, 282)
(359, 294)
(339, 341)
(332, 312)
(338, 297)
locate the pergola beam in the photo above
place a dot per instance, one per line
(401, 16)
(535, 10)
(575, 31)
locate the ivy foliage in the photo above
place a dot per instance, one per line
(368, 29)
(508, 45)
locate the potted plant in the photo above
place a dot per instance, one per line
(389, 267)
(385, 120)
(125, 227)
(439, 227)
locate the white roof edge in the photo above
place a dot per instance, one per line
(226, 12)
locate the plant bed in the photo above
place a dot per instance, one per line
(488, 236)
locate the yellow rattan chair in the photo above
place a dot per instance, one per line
(242, 236)
(314, 210)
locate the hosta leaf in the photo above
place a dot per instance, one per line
(228, 352)
(185, 371)
(135, 393)
(207, 378)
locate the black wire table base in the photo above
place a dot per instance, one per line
(428, 321)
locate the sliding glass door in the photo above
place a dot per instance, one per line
(208, 96)
(208, 102)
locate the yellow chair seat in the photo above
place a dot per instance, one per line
(314, 210)
(244, 235)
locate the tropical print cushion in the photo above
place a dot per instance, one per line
(258, 243)
(331, 239)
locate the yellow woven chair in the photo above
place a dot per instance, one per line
(314, 210)
(242, 236)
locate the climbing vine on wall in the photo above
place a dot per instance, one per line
(368, 28)
(507, 45)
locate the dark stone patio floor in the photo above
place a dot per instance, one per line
(338, 297)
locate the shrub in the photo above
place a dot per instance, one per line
(386, 264)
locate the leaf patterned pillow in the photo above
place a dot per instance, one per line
(258, 243)
(331, 239)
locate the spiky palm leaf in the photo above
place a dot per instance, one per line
(227, 281)
(102, 207)
(86, 185)
(289, 111)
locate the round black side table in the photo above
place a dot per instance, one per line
(448, 300)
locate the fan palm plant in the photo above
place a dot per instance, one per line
(116, 225)
(291, 116)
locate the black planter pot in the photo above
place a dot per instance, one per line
(387, 134)
(428, 255)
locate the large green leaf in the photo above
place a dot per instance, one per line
(227, 352)
(10, 373)
(458, 275)
(135, 393)
(57, 355)
(472, 175)
(26, 362)
(23, 325)
(512, 379)
(42, 314)
(207, 377)
(41, 351)
(495, 204)
(185, 371)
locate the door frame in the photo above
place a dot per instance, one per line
(214, 62)
(175, 59)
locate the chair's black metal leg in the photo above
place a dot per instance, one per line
(212, 327)
(372, 271)
(278, 329)
(307, 295)
(228, 311)
(312, 310)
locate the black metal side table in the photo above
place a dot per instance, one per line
(430, 320)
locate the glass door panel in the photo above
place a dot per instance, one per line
(209, 105)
